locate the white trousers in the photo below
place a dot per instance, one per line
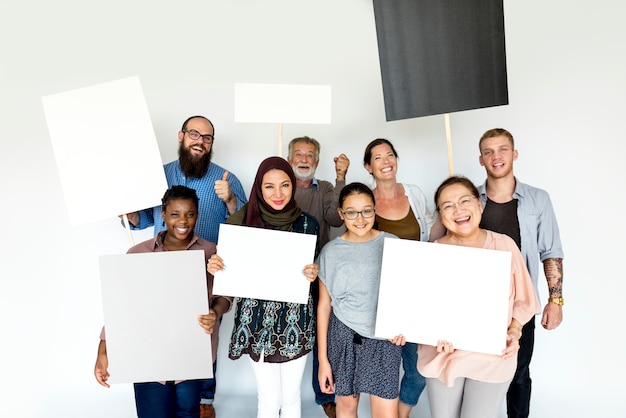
(278, 387)
(466, 399)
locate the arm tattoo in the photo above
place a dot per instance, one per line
(553, 269)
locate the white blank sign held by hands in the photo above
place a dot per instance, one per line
(282, 103)
(431, 292)
(151, 303)
(105, 149)
(264, 263)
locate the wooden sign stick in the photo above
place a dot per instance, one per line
(280, 139)
(128, 232)
(446, 118)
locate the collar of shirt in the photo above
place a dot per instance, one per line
(520, 190)
(158, 241)
(314, 183)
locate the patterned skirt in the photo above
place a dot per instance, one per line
(362, 365)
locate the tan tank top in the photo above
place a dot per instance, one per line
(406, 228)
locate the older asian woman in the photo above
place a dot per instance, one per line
(469, 384)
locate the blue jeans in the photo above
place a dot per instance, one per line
(320, 397)
(154, 400)
(413, 383)
(207, 388)
(518, 396)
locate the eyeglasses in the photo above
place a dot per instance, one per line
(353, 214)
(464, 202)
(195, 135)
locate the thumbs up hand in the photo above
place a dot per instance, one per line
(222, 189)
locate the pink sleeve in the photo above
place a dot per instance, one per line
(524, 301)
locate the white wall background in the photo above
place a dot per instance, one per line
(566, 70)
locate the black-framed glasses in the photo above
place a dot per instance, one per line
(353, 214)
(464, 202)
(195, 135)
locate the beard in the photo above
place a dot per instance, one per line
(191, 165)
(303, 175)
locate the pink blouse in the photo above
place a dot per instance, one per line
(490, 368)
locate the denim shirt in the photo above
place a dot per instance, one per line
(538, 226)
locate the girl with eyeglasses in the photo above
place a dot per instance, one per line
(351, 361)
(401, 209)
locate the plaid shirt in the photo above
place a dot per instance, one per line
(212, 210)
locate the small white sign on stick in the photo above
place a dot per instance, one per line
(433, 291)
(282, 103)
(105, 149)
(151, 304)
(264, 264)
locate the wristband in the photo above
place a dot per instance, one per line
(558, 301)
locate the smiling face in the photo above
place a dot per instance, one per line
(303, 160)
(180, 216)
(383, 163)
(276, 188)
(359, 229)
(196, 148)
(460, 211)
(195, 154)
(497, 156)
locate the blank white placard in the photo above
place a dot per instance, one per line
(264, 263)
(282, 103)
(151, 305)
(434, 291)
(105, 149)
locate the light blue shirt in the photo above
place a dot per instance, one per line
(539, 229)
(212, 211)
(351, 273)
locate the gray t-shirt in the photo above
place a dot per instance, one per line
(351, 273)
